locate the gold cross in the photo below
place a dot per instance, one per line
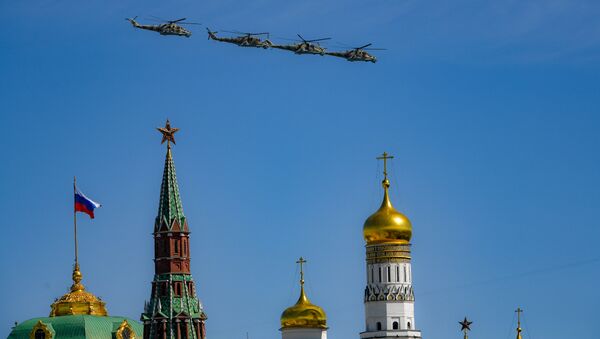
(519, 311)
(168, 134)
(301, 261)
(385, 157)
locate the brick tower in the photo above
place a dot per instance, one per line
(174, 311)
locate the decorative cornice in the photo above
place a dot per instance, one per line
(389, 293)
(385, 253)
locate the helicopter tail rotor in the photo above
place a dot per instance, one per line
(132, 21)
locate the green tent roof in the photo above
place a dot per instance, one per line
(77, 327)
(170, 207)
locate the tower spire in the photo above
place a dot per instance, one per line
(174, 311)
(170, 208)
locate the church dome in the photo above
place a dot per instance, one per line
(303, 314)
(387, 225)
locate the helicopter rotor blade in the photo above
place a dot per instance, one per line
(301, 38)
(232, 32)
(159, 19)
(190, 23)
(315, 40)
(375, 49)
(367, 45)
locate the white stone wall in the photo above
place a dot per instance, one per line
(303, 333)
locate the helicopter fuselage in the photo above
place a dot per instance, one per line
(242, 41)
(302, 48)
(164, 29)
(355, 55)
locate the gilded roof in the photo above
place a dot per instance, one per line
(78, 300)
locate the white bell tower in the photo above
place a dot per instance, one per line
(389, 297)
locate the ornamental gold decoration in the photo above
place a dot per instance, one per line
(125, 331)
(48, 332)
(78, 300)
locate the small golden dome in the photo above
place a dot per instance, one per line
(78, 301)
(387, 225)
(303, 314)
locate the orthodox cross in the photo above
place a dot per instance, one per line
(301, 261)
(465, 326)
(385, 157)
(519, 311)
(168, 134)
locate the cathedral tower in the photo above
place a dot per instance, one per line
(174, 311)
(389, 297)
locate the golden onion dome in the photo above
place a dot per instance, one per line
(303, 314)
(78, 300)
(387, 225)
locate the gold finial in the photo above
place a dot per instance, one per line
(301, 261)
(168, 133)
(465, 327)
(385, 157)
(519, 329)
(78, 300)
(77, 276)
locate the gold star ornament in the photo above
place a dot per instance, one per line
(465, 325)
(168, 133)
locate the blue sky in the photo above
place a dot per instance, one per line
(490, 107)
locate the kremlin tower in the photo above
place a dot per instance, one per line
(174, 311)
(389, 296)
(304, 320)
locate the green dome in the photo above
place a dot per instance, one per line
(79, 327)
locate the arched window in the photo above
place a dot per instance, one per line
(372, 275)
(408, 325)
(397, 274)
(379, 274)
(395, 325)
(41, 331)
(389, 275)
(378, 326)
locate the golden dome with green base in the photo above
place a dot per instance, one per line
(387, 225)
(303, 314)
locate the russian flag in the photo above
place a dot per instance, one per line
(85, 204)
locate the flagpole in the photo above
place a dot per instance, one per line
(75, 220)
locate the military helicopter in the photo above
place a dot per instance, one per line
(244, 40)
(304, 46)
(169, 27)
(357, 54)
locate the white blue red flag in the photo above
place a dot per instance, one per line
(85, 204)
